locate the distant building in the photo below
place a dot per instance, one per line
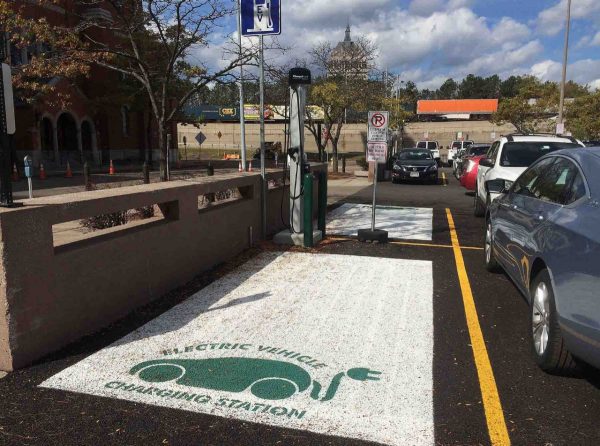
(457, 109)
(348, 59)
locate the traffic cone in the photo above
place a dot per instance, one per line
(250, 167)
(240, 167)
(111, 169)
(15, 174)
(42, 172)
(68, 173)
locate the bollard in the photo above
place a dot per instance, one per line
(343, 163)
(308, 201)
(86, 176)
(210, 170)
(322, 205)
(146, 173)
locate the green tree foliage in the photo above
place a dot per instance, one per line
(532, 108)
(583, 116)
(448, 90)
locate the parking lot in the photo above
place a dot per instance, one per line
(412, 342)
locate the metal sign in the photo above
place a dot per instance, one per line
(377, 152)
(260, 17)
(378, 126)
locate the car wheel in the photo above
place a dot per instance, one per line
(547, 344)
(478, 209)
(490, 260)
(395, 181)
(162, 373)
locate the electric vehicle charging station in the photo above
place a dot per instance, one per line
(28, 163)
(299, 79)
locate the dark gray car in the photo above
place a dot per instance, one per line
(544, 231)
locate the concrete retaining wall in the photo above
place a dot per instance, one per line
(52, 294)
(352, 139)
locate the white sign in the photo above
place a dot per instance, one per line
(426, 136)
(560, 128)
(377, 152)
(9, 102)
(459, 136)
(268, 344)
(493, 136)
(378, 126)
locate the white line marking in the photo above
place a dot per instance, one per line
(401, 223)
(344, 318)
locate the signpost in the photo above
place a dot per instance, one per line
(377, 136)
(261, 18)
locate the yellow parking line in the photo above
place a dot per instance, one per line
(433, 245)
(444, 181)
(487, 383)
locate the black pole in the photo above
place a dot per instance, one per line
(6, 193)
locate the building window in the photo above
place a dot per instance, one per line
(125, 119)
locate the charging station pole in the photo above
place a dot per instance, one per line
(298, 79)
(242, 116)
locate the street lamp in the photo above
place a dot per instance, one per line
(560, 128)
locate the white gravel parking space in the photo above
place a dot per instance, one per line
(400, 222)
(349, 354)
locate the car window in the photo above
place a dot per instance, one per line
(456, 145)
(415, 155)
(555, 181)
(493, 150)
(422, 145)
(478, 150)
(526, 182)
(524, 153)
(576, 189)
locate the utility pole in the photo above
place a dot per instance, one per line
(564, 71)
(242, 117)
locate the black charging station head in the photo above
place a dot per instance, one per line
(299, 76)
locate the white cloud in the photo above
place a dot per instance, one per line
(552, 20)
(585, 71)
(596, 40)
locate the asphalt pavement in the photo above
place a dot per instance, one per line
(484, 387)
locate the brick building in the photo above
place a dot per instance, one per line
(95, 125)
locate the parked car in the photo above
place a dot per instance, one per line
(415, 164)
(469, 152)
(508, 157)
(434, 146)
(468, 176)
(455, 147)
(543, 231)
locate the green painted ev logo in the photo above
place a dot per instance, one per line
(267, 379)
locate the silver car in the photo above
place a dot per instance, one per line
(544, 231)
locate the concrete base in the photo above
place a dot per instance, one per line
(377, 235)
(285, 237)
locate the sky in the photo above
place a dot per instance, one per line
(428, 41)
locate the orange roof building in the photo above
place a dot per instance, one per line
(457, 107)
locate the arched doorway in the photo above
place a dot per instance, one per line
(87, 141)
(66, 130)
(47, 139)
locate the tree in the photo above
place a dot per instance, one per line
(531, 109)
(448, 90)
(583, 116)
(342, 84)
(155, 45)
(52, 52)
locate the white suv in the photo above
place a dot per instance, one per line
(508, 158)
(433, 147)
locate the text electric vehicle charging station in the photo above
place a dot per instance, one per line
(300, 230)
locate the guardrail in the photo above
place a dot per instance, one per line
(57, 286)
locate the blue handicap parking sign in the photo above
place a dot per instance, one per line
(261, 17)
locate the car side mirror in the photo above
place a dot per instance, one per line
(487, 162)
(498, 186)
